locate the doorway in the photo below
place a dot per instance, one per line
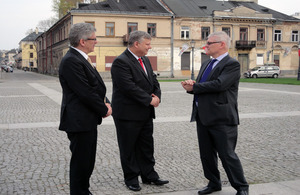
(185, 61)
(244, 62)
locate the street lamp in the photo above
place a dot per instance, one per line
(298, 78)
(192, 43)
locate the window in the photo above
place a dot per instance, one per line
(109, 29)
(227, 30)
(31, 55)
(92, 23)
(151, 29)
(295, 36)
(260, 59)
(243, 34)
(261, 34)
(132, 27)
(277, 35)
(185, 32)
(205, 32)
(31, 46)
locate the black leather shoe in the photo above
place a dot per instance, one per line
(242, 192)
(134, 187)
(208, 190)
(157, 182)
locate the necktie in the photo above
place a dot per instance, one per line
(141, 63)
(204, 77)
(90, 61)
(207, 71)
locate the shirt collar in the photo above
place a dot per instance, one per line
(137, 58)
(222, 56)
(81, 52)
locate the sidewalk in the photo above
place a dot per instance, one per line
(276, 188)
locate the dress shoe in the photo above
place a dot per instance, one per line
(208, 190)
(157, 182)
(134, 187)
(242, 192)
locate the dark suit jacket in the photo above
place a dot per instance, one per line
(217, 103)
(132, 88)
(84, 92)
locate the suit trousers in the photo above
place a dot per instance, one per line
(220, 140)
(135, 140)
(83, 147)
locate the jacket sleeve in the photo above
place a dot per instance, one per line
(130, 86)
(222, 79)
(82, 83)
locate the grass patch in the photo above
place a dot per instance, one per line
(287, 81)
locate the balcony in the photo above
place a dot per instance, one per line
(245, 45)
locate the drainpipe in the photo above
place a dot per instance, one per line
(172, 46)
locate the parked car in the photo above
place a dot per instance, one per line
(263, 71)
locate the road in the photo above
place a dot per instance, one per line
(34, 157)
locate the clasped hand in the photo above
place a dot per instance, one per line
(155, 100)
(188, 85)
(109, 112)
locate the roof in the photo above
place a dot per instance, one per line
(137, 7)
(205, 8)
(31, 36)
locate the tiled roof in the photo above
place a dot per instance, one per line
(205, 8)
(32, 36)
(143, 7)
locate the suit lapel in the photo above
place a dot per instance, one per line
(201, 71)
(219, 65)
(88, 65)
(138, 66)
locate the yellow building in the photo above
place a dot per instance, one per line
(114, 20)
(29, 52)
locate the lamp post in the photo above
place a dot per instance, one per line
(298, 78)
(192, 43)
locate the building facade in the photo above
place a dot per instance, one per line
(114, 20)
(28, 50)
(259, 35)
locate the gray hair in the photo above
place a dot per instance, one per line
(80, 31)
(138, 36)
(221, 36)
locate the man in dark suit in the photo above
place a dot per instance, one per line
(84, 104)
(215, 110)
(136, 92)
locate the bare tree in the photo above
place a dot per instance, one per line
(44, 25)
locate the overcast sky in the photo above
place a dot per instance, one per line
(18, 16)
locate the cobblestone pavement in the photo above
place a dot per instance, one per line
(34, 154)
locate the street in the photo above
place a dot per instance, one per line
(34, 154)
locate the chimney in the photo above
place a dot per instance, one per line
(36, 30)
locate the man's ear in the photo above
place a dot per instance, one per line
(82, 42)
(136, 43)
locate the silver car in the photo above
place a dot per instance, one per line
(263, 71)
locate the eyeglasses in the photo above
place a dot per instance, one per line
(92, 39)
(209, 43)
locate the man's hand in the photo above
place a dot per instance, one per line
(155, 101)
(188, 85)
(109, 112)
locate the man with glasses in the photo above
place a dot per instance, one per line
(84, 104)
(215, 111)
